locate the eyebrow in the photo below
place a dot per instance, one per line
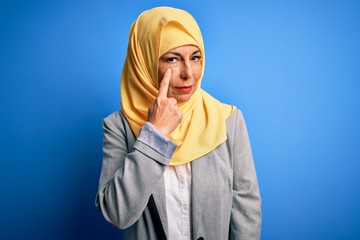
(179, 54)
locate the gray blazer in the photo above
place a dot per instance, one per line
(225, 194)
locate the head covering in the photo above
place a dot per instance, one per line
(155, 32)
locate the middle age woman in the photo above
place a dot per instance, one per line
(177, 163)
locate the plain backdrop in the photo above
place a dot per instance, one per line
(292, 67)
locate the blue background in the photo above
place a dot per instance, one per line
(292, 67)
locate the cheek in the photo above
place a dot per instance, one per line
(175, 74)
(162, 67)
(197, 72)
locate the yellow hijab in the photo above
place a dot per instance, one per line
(155, 32)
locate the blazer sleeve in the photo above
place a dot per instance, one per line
(246, 219)
(128, 178)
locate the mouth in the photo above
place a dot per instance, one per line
(185, 89)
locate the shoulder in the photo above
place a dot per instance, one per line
(235, 119)
(115, 122)
(235, 125)
(113, 117)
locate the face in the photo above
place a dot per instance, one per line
(186, 71)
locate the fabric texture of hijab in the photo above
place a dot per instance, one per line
(155, 32)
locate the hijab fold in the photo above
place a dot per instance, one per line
(155, 32)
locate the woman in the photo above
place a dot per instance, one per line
(177, 163)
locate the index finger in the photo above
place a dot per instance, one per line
(164, 84)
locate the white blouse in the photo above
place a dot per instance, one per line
(178, 201)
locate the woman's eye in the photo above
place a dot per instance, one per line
(172, 59)
(196, 58)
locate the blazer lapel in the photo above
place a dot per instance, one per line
(160, 202)
(200, 181)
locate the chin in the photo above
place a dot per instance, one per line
(182, 99)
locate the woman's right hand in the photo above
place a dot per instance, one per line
(164, 113)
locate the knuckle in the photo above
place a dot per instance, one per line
(173, 101)
(179, 114)
(164, 83)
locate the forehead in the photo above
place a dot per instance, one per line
(187, 49)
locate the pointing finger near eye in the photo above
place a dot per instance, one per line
(164, 84)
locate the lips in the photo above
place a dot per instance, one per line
(185, 89)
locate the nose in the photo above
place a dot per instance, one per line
(186, 70)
